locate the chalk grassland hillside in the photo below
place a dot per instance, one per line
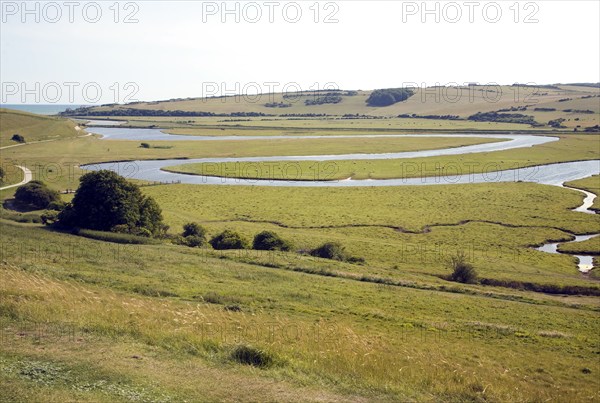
(96, 320)
(578, 105)
(33, 127)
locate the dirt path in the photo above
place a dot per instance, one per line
(27, 178)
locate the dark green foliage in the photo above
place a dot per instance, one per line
(193, 235)
(389, 96)
(329, 98)
(463, 271)
(88, 111)
(585, 111)
(435, 117)
(212, 297)
(194, 241)
(252, 356)
(18, 138)
(57, 205)
(153, 292)
(49, 217)
(277, 105)
(229, 239)
(116, 237)
(556, 123)
(36, 194)
(106, 201)
(268, 240)
(193, 228)
(503, 117)
(331, 250)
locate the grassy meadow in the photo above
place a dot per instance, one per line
(33, 127)
(569, 148)
(459, 101)
(90, 320)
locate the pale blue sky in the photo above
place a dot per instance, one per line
(171, 52)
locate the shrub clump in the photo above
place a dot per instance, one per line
(229, 239)
(269, 240)
(18, 138)
(36, 194)
(194, 235)
(252, 356)
(462, 271)
(335, 251)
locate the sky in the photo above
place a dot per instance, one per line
(115, 52)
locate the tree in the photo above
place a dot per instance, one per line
(462, 271)
(36, 194)
(268, 240)
(229, 239)
(106, 201)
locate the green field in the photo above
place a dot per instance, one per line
(33, 127)
(90, 320)
(569, 148)
(459, 101)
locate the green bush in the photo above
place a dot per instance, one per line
(195, 229)
(268, 240)
(18, 138)
(58, 205)
(462, 271)
(194, 241)
(252, 356)
(193, 235)
(36, 194)
(49, 217)
(331, 250)
(229, 239)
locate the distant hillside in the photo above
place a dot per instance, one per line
(577, 104)
(33, 127)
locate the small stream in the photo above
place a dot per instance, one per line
(585, 262)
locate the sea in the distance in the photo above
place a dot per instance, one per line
(41, 109)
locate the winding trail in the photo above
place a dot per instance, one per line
(27, 177)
